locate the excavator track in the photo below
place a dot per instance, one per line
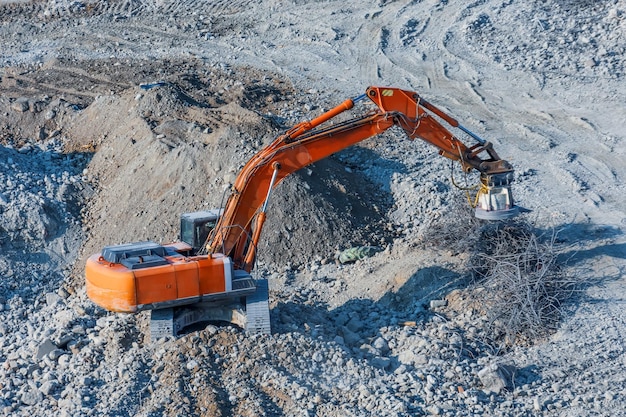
(161, 323)
(254, 317)
(258, 310)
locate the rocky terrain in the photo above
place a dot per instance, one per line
(117, 116)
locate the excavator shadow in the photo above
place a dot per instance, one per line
(588, 241)
(340, 201)
(357, 325)
(596, 256)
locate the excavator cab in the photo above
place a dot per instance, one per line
(195, 227)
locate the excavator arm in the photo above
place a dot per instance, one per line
(238, 230)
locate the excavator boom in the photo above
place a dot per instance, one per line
(237, 232)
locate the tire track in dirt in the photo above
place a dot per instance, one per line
(130, 39)
(413, 47)
(546, 124)
(55, 82)
(219, 7)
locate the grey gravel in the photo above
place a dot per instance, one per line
(348, 340)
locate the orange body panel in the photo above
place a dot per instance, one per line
(187, 282)
(110, 286)
(118, 288)
(156, 284)
(212, 275)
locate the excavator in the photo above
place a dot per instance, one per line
(206, 276)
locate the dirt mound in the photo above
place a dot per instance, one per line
(160, 151)
(161, 140)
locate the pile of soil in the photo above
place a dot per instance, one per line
(157, 150)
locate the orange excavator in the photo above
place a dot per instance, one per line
(206, 275)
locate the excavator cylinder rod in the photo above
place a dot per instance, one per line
(359, 98)
(451, 120)
(299, 129)
(472, 134)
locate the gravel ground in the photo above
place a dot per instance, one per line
(89, 158)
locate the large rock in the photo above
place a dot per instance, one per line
(497, 377)
(20, 105)
(408, 357)
(49, 387)
(32, 397)
(45, 348)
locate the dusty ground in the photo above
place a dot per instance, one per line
(90, 158)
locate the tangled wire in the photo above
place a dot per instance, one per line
(520, 282)
(517, 279)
